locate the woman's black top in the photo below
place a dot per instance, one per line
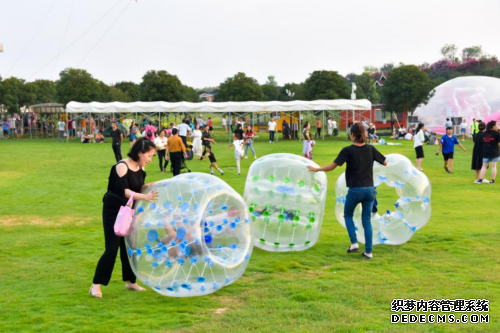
(477, 151)
(132, 180)
(359, 170)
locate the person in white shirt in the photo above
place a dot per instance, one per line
(60, 127)
(184, 130)
(238, 150)
(161, 145)
(271, 127)
(419, 139)
(224, 123)
(329, 126)
(463, 128)
(197, 150)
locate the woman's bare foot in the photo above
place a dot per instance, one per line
(95, 291)
(133, 286)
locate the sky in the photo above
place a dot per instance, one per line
(204, 42)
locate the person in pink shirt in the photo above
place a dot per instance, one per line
(149, 131)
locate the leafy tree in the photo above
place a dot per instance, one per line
(296, 88)
(472, 52)
(326, 85)
(406, 88)
(190, 94)
(117, 95)
(449, 51)
(370, 69)
(271, 80)
(131, 89)
(271, 92)
(161, 86)
(45, 91)
(388, 67)
(15, 93)
(77, 85)
(240, 88)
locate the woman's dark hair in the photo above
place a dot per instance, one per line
(481, 126)
(419, 127)
(306, 124)
(237, 126)
(359, 133)
(490, 125)
(142, 145)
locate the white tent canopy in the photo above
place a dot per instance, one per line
(155, 107)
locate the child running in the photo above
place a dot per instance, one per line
(238, 150)
(213, 161)
(447, 144)
(359, 158)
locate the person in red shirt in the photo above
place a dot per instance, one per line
(248, 137)
(210, 126)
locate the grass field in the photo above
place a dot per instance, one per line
(51, 238)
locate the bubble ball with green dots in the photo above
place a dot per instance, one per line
(194, 240)
(286, 202)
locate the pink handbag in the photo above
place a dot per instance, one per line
(124, 218)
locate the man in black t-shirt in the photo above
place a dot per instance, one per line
(117, 136)
(491, 151)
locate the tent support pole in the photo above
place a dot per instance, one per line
(67, 137)
(323, 125)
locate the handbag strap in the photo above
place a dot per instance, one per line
(130, 201)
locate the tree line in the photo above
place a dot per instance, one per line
(403, 89)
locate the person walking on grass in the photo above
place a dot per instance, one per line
(463, 129)
(125, 179)
(197, 141)
(491, 151)
(175, 150)
(308, 144)
(213, 161)
(477, 152)
(161, 148)
(249, 136)
(133, 133)
(419, 139)
(271, 127)
(447, 145)
(206, 140)
(359, 158)
(60, 127)
(117, 136)
(238, 150)
(474, 128)
(319, 125)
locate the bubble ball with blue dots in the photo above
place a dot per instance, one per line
(194, 240)
(411, 211)
(286, 202)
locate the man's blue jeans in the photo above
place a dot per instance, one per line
(364, 196)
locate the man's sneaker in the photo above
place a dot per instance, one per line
(486, 181)
(211, 173)
(477, 181)
(270, 141)
(245, 157)
(255, 157)
(492, 182)
(238, 174)
(222, 173)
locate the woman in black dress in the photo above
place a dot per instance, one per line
(477, 151)
(125, 178)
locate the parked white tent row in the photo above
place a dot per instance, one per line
(236, 108)
(272, 106)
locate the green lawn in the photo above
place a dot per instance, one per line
(51, 238)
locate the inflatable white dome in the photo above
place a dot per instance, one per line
(468, 97)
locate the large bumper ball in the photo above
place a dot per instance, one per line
(411, 211)
(194, 240)
(286, 202)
